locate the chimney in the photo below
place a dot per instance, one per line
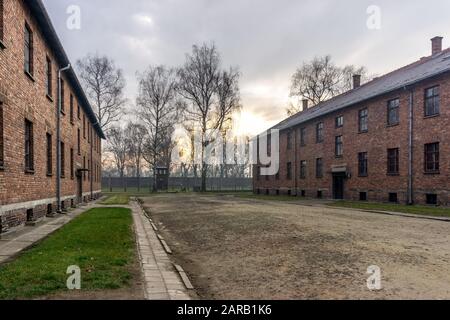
(356, 81)
(305, 104)
(436, 45)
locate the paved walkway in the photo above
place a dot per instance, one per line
(161, 279)
(11, 244)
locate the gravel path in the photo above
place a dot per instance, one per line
(249, 249)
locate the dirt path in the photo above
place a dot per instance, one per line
(249, 249)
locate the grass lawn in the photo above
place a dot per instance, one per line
(100, 242)
(420, 210)
(116, 199)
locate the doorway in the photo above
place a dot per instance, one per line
(338, 186)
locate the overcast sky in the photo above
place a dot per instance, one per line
(266, 39)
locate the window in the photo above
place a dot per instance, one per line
(432, 199)
(79, 141)
(28, 50)
(1, 23)
(2, 161)
(393, 161)
(72, 174)
(319, 194)
(363, 120)
(289, 171)
(29, 156)
(339, 148)
(303, 169)
(277, 176)
(319, 168)
(362, 164)
(84, 126)
(89, 172)
(393, 112)
(303, 193)
(319, 132)
(432, 157)
(84, 167)
(363, 196)
(63, 166)
(289, 140)
(340, 122)
(49, 155)
(432, 101)
(303, 137)
(393, 197)
(49, 85)
(71, 108)
(78, 112)
(62, 97)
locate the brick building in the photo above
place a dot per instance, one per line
(30, 57)
(387, 140)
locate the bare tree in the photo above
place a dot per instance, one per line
(117, 145)
(135, 134)
(320, 80)
(158, 110)
(210, 94)
(104, 84)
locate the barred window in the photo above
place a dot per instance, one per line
(29, 146)
(49, 83)
(362, 164)
(28, 50)
(393, 165)
(2, 161)
(393, 112)
(340, 122)
(303, 169)
(63, 160)
(432, 157)
(319, 168)
(432, 101)
(49, 154)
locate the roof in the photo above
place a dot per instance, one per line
(407, 76)
(42, 18)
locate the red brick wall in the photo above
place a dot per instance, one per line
(376, 141)
(25, 97)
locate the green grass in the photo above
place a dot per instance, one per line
(419, 210)
(116, 199)
(100, 242)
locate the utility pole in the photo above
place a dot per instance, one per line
(58, 141)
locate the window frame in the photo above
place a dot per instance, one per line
(436, 98)
(339, 121)
(396, 109)
(319, 168)
(289, 171)
(28, 47)
(63, 159)
(319, 132)
(29, 147)
(72, 160)
(289, 140)
(49, 77)
(435, 154)
(363, 120)
(49, 148)
(71, 110)
(303, 169)
(303, 137)
(393, 161)
(339, 146)
(363, 164)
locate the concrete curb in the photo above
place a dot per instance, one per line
(184, 277)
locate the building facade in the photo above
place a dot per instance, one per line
(30, 57)
(386, 141)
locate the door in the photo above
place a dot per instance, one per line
(338, 186)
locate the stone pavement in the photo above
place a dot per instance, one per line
(11, 244)
(161, 279)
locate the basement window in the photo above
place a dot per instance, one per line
(393, 197)
(363, 196)
(29, 215)
(432, 199)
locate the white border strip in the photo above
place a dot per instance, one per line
(35, 203)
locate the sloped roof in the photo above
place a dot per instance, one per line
(418, 71)
(40, 14)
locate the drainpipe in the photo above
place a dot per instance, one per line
(410, 146)
(58, 141)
